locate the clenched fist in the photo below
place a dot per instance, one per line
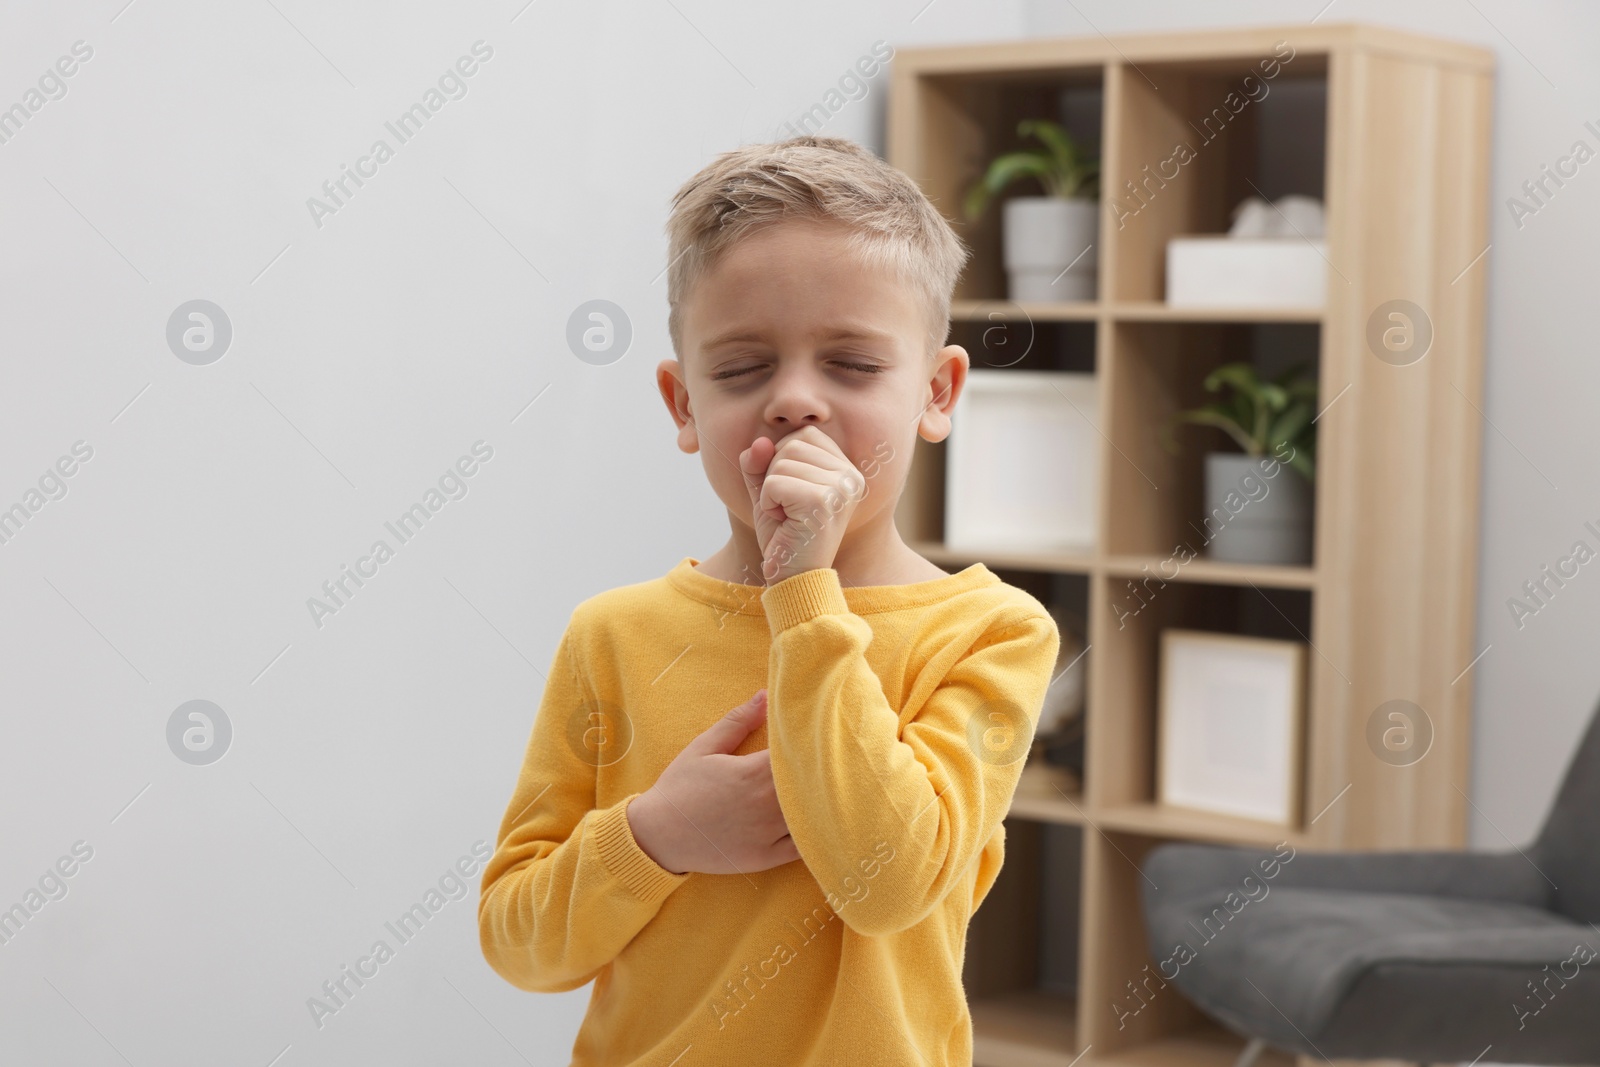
(803, 490)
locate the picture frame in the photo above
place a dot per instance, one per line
(1232, 725)
(1022, 469)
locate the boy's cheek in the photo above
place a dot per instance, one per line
(882, 458)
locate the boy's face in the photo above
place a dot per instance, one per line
(775, 338)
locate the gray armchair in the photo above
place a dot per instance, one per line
(1422, 956)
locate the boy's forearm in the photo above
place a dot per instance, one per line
(550, 919)
(948, 799)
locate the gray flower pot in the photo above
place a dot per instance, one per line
(1253, 518)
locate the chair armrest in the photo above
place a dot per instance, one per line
(1510, 877)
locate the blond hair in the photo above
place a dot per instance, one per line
(894, 225)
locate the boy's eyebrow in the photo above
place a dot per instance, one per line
(837, 333)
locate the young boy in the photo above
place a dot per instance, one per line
(788, 882)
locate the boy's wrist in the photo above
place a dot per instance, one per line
(644, 822)
(802, 597)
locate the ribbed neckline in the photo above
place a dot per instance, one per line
(862, 599)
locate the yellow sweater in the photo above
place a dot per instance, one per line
(898, 720)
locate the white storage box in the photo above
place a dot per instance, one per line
(1246, 272)
(1022, 466)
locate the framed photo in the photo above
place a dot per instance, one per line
(1023, 466)
(1232, 711)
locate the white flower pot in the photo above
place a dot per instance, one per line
(1044, 236)
(1252, 518)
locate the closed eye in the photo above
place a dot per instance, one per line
(866, 368)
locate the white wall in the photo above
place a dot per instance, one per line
(370, 753)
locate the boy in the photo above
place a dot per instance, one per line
(788, 882)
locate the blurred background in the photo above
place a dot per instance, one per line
(358, 351)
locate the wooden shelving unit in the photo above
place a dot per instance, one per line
(1391, 131)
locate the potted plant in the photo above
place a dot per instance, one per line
(1048, 241)
(1253, 516)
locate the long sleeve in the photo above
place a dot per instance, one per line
(908, 808)
(568, 886)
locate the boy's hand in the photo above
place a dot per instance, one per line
(804, 490)
(714, 812)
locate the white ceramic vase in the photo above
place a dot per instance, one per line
(1049, 247)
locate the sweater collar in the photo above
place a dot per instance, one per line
(863, 599)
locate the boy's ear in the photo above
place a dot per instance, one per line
(949, 378)
(675, 391)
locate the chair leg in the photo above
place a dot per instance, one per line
(1250, 1053)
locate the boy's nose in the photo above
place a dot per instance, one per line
(788, 413)
(797, 399)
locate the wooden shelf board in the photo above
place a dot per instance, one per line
(1204, 1046)
(1034, 1028)
(1047, 794)
(1024, 1028)
(1159, 820)
(1156, 311)
(1066, 561)
(1081, 55)
(1213, 571)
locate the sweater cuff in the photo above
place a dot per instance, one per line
(623, 857)
(802, 597)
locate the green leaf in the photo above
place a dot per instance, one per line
(1213, 416)
(1055, 139)
(1304, 389)
(1261, 416)
(1063, 151)
(1288, 425)
(1089, 187)
(1302, 462)
(1297, 383)
(1073, 166)
(1002, 172)
(1084, 182)
(1062, 166)
(1241, 376)
(1244, 409)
